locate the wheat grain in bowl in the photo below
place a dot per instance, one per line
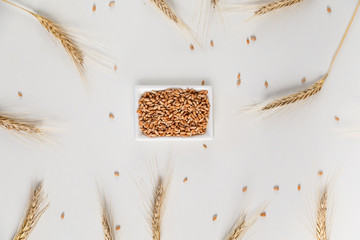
(173, 112)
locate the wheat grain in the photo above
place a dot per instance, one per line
(36, 209)
(107, 223)
(321, 218)
(296, 97)
(273, 6)
(22, 126)
(157, 209)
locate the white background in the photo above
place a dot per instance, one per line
(87, 147)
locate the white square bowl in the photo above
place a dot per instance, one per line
(141, 89)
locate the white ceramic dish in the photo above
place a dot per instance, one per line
(140, 89)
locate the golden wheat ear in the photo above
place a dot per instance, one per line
(163, 6)
(107, 220)
(322, 214)
(275, 6)
(242, 225)
(157, 209)
(22, 126)
(296, 97)
(37, 207)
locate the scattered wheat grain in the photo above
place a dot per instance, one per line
(214, 217)
(245, 189)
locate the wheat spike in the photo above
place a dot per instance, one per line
(214, 3)
(170, 14)
(238, 229)
(107, 223)
(321, 218)
(22, 126)
(157, 210)
(36, 209)
(69, 44)
(165, 8)
(299, 96)
(273, 6)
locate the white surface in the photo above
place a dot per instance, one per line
(286, 149)
(141, 89)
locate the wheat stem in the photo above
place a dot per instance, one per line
(36, 209)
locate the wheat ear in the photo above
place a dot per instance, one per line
(20, 126)
(316, 88)
(36, 209)
(295, 97)
(238, 229)
(107, 223)
(273, 6)
(321, 216)
(170, 14)
(157, 209)
(58, 32)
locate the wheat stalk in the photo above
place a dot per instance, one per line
(170, 14)
(316, 88)
(66, 40)
(19, 125)
(273, 6)
(157, 209)
(321, 218)
(36, 209)
(107, 223)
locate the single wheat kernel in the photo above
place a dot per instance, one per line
(185, 180)
(266, 84)
(328, 9)
(247, 41)
(202, 82)
(117, 228)
(245, 189)
(238, 82)
(111, 116)
(263, 214)
(205, 146)
(337, 118)
(214, 217)
(94, 7)
(192, 47)
(116, 173)
(115, 67)
(303, 80)
(20, 94)
(62, 215)
(276, 188)
(299, 187)
(212, 43)
(253, 38)
(111, 3)
(238, 76)
(320, 173)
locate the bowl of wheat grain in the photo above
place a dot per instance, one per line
(173, 113)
